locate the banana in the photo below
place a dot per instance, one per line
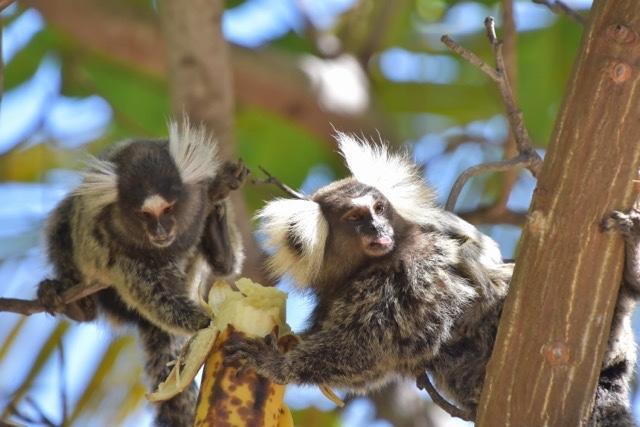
(229, 394)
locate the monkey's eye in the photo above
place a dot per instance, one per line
(168, 210)
(146, 215)
(378, 208)
(353, 216)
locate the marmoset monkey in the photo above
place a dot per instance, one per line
(151, 220)
(404, 287)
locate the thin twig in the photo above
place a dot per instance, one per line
(471, 57)
(282, 186)
(561, 7)
(28, 307)
(425, 383)
(527, 156)
(509, 51)
(499, 166)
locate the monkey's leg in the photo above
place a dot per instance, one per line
(60, 248)
(159, 295)
(612, 406)
(160, 349)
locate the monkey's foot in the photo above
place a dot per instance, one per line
(49, 296)
(627, 223)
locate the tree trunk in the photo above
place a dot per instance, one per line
(201, 85)
(556, 320)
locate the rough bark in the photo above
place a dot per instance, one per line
(557, 316)
(264, 79)
(201, 85)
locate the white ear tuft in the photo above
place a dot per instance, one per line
(194, 150)
(100, 184)
(285, 221)
(394, 175)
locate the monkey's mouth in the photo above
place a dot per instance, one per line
(162, 241)
(378, 246)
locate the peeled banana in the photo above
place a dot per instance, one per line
(229, 394)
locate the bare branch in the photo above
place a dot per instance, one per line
(521, 160)
(424, 383)
(527, 156)
(282, 186)
(28, 307)
(561, 7)
(509, 51)
(471, 57)
(494, 215)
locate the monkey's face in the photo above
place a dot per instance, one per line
(158, 221)
(368, 222)
(361, 219)
(150, 194)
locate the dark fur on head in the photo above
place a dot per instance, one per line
(150, 220)
(429, 302)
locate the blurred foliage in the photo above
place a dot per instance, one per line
(113, 394)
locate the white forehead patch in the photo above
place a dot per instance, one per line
(365, 201)
(155, 204)
(396, 176)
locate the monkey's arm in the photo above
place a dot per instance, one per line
(221, 243)
(332, 357)
(160, 296)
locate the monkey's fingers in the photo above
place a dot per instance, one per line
(626, 223)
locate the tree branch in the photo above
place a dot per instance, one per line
(509, 51)
(281, 185)
(527, 156)
(424, 383)
(494, 215)
(521, 160)
(561, 7)
(28, 307)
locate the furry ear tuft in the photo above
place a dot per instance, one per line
(194, 150)
(286, 222)
(394, 175)
(100, 184)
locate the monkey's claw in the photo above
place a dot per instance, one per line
(626, 223)
(421, 381)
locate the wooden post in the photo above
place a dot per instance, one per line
(556, 320)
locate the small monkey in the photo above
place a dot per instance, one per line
(151, 220)
(404, 288)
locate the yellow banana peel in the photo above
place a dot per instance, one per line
(231, 395)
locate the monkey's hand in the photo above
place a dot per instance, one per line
(50, 297)
(628, 224)
(260, 354)
(231, 177)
